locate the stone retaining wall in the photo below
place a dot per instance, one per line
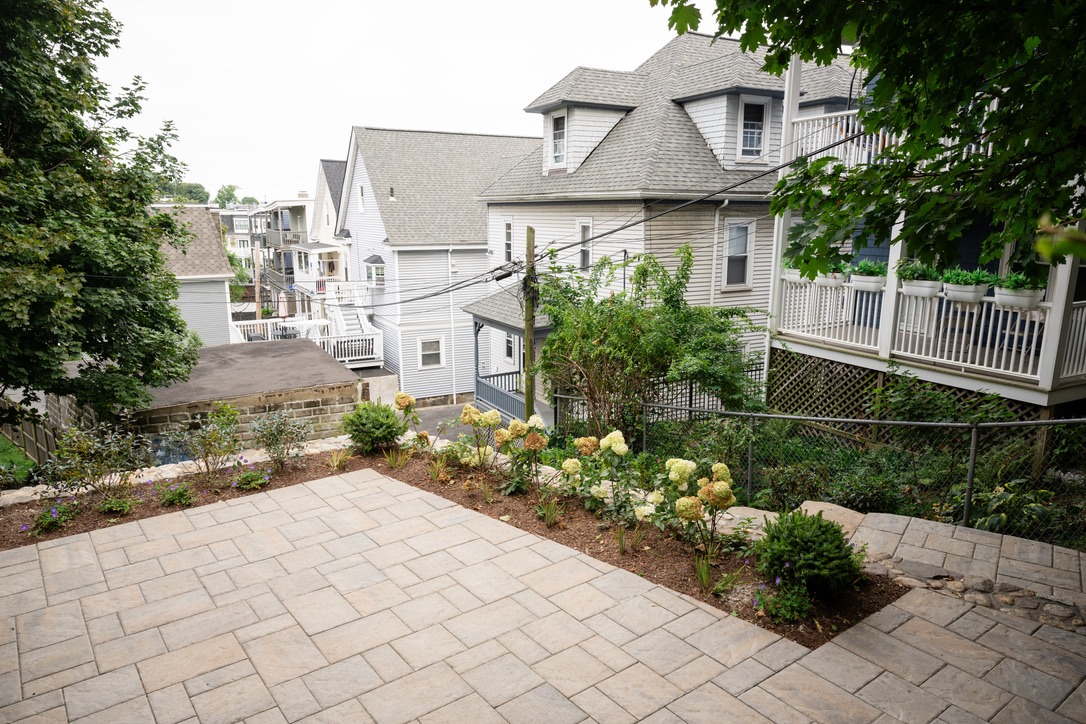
(324, 406)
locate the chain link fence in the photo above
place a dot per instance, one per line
(1026, 479)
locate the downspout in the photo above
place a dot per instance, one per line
(716, 243)
(452, 328)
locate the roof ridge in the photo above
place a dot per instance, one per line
(443, 133)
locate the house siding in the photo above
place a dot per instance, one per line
(772, 140)
(710, 115)
(586, 127)
(205, 307)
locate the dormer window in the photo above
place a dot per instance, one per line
(558, 140)
(753, 117)
(375, 270)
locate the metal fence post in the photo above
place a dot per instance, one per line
(644, 427)
(974, 436)
(750, 459)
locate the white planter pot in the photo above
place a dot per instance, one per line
(792, 275)
(830, 280)
(1020, 298)
(863, 283)
(970, 293)
(921, 288)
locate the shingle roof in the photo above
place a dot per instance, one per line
(656, 147)
(592, 86)
(504, 309)
(204, 254)
(437, 178)
(334, 171)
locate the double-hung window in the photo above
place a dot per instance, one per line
(241, 225)
(753, 124)
(431, 352)
(738, 237)
(508, 241)
(375, 275)
(510, 346)
(584, 232)
(558, 140)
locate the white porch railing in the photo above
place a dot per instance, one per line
(840, 314)
(268, 328)
(982, 337)
(360, 349)
(1074, 358)
(277, 238)
(356, 293)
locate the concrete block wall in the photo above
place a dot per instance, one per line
(324, 406)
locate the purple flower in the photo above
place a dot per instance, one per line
(778, 581)
(761, 587)
(53, 511)
(786, 564)
(25, 528)
(267, 477)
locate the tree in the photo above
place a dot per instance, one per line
(613, 350)
(250, 201)
(1006, 78)
(82, 274)
(183, 192)
(227, 195)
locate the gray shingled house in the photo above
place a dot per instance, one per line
(204, 275)
(696, 122)
(409, 210)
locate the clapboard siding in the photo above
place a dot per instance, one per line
(772, 141)
(205, 307)
(710, 115)
(369, 234)
(586, 127)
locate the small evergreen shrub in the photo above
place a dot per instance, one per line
(808, 551)
(373, 426)
(281, 436)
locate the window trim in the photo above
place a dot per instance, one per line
(552, 156)
(440, 351)
(237, 220)
(510, 346)
(508, 238)
(375, 275)
(762, 156)
(361, 198)
(752, 230)
(585, 248)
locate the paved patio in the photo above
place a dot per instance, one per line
(360, 598)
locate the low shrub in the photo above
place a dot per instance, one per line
(102, 457)
(281, 436)
(787, 486)
(117, 505)
(212, 440)
(175, 493)
(809, 551)
(55, 517)
(251, 477)
(373, 426)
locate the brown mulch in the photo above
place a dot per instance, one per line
(657, 557)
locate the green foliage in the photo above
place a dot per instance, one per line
(55, 517)
(338, 459)
(968, 277)
(83, 275)
(117, 505)
(911, 270)
(611, 349)
(251, 477)
(870, 268)
(1013, 508)
(281, 436)
(373, 426)
(249, 201)
(97, 459)
(703, 571)
(787, 603)
(397, 457)
(963, 87)
(906, 397)
(549, 508)
(1016, 282)
(182, 192)
(808, 551)
(226, 195)
(788, 486)
(175, 493)
(212, 440)
(14, 465)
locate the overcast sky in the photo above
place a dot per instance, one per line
(260, 90)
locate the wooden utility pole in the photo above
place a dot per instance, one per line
(529, 323)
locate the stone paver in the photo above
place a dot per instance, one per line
(360, 598)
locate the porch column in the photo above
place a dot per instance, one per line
(888, 319)
(476, 327)
(1057, 323)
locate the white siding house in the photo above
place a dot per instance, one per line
(203, 274)
(417, 239)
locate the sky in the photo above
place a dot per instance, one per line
(261, 90)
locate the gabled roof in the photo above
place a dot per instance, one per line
(505, 310)
(656, 148)
(204, 254)
(426, 183)
(334, 171)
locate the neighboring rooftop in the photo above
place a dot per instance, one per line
(334, 171)
(203, 254)
(426, 183)
(505, 310)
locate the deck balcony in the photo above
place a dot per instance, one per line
(276, 239)
(1043, 348)
(353, 350)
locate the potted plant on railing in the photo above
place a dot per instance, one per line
(918, 280)
(834, 276)
(961, 285)
(1018, 290)
(791, 271)
(869, 276)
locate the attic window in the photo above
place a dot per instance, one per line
(391, 193)
(558, 139)
(752, 124)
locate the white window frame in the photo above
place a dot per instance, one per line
(440, 352)
(510, 346)
(243, 243)
(241, 225)
(507, 226)
(584, 257)
(762, 155)
(375, 275)
(361, 198)
(725, 257)
(554, 157)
